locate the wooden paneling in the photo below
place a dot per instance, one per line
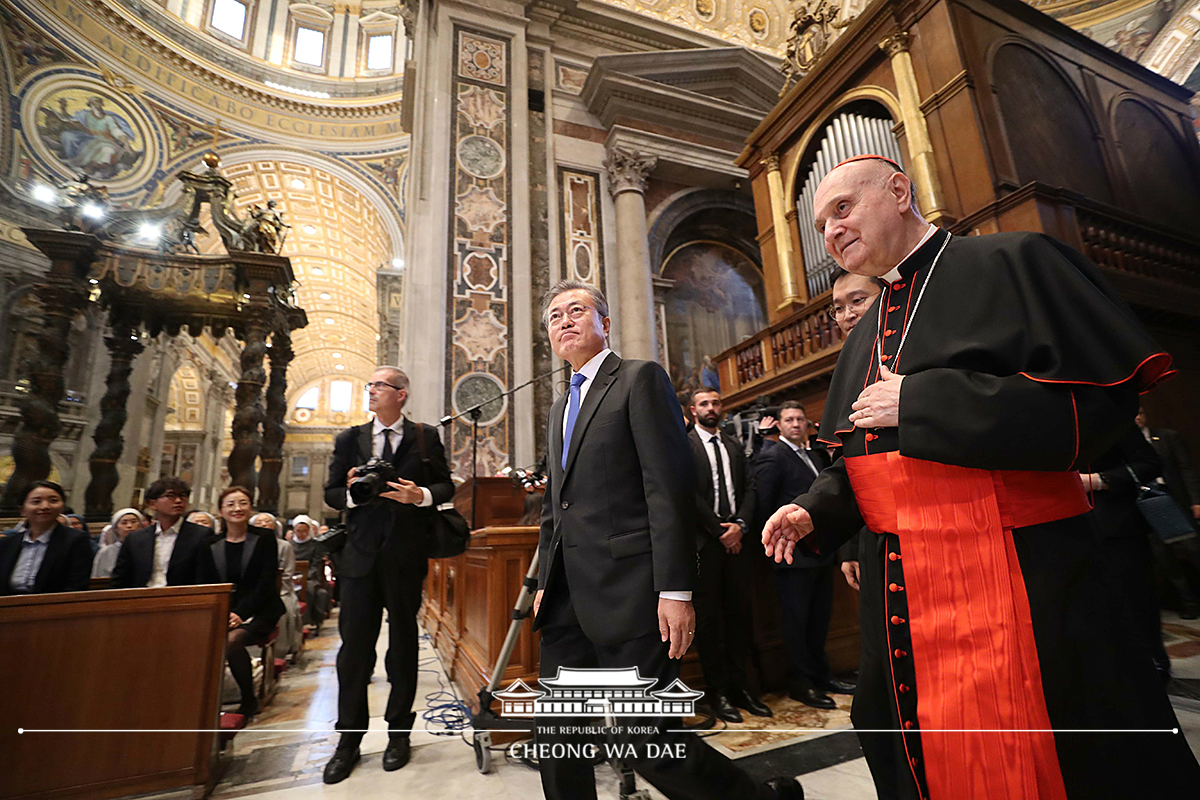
(146, 659)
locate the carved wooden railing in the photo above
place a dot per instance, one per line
(1124, 246)
(807, 340)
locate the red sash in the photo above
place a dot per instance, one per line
(973, 648)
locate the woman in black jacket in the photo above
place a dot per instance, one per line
(247, 558)
(44, 556)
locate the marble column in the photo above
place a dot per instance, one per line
(920, 148)
(123, 347)
(273, 428)
(248, 414)
(627, 174)
(62, 292)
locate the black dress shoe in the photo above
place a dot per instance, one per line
(837, 687)
(811, 696)
(743, 699)
(395, 755)
(786, 788)
(341, 765)
(724, 709)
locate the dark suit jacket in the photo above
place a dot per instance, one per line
(618, 523)
(135, 562)
(400, 528)
(1181, 478)
(709, 527)
(254, 595)
(66, 567)
(1114, 509)
(780, 476)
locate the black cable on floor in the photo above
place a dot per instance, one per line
(444, 706)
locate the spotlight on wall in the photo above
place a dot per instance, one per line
(326, 296)
(149, 231)
(44, 194)
(298, 184)
(398, 263)
(93, 211)
(309, 229)
(339, 366)
(329, 321)
(337, 355)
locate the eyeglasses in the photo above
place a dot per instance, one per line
(380, 384)
(575, 312)
(837, 312)
(176, 495)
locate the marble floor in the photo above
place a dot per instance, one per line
(282, 755)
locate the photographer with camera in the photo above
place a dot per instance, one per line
(377, 474)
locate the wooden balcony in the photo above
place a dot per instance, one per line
(1155, 269)
(800, 346)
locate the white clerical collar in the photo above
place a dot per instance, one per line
(395, 427)
(589, 370)
(894, 275)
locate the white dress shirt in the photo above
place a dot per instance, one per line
(588, 371)
(707, 439)
(804, 453)
(397, 435)
(893, 274)
(164, 545)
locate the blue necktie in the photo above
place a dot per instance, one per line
(572, 412)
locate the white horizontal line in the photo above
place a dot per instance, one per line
(929, 730)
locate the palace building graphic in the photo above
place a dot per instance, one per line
(597, 692)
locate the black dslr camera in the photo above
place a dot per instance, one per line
(372, 480)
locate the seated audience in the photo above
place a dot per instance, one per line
(202, 518)
(307, 548)
(124, 522)
(246, 557)
(80, 524)
(291, 629)
(166, 552)
(46, 556)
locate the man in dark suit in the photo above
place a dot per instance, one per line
(167, 552)
(724, 501)
(382, 565)
(1182, 482)
(805, 586)
(617, 551)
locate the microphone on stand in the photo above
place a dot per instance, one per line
(474, 412)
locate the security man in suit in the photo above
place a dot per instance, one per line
(724, 501)
(1182, 482)
(806, 586)
(617, 551)
(167, 552)
(382, 565)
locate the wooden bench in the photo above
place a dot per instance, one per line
(123, 659)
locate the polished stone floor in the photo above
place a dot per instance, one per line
(281, 756)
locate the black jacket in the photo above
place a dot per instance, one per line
(1114, 509)
(1181, 478)
(255, 595)
(66, 567)
(618, 524)
(780, 477)
(400, 527)
(135, 563)
(708, 525)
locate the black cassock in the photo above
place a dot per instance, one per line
(1020, 365)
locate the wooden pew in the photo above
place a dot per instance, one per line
(146, 659)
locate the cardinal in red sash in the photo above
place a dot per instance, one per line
(989, 372)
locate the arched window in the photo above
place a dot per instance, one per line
(309, 399)
(857, 129)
